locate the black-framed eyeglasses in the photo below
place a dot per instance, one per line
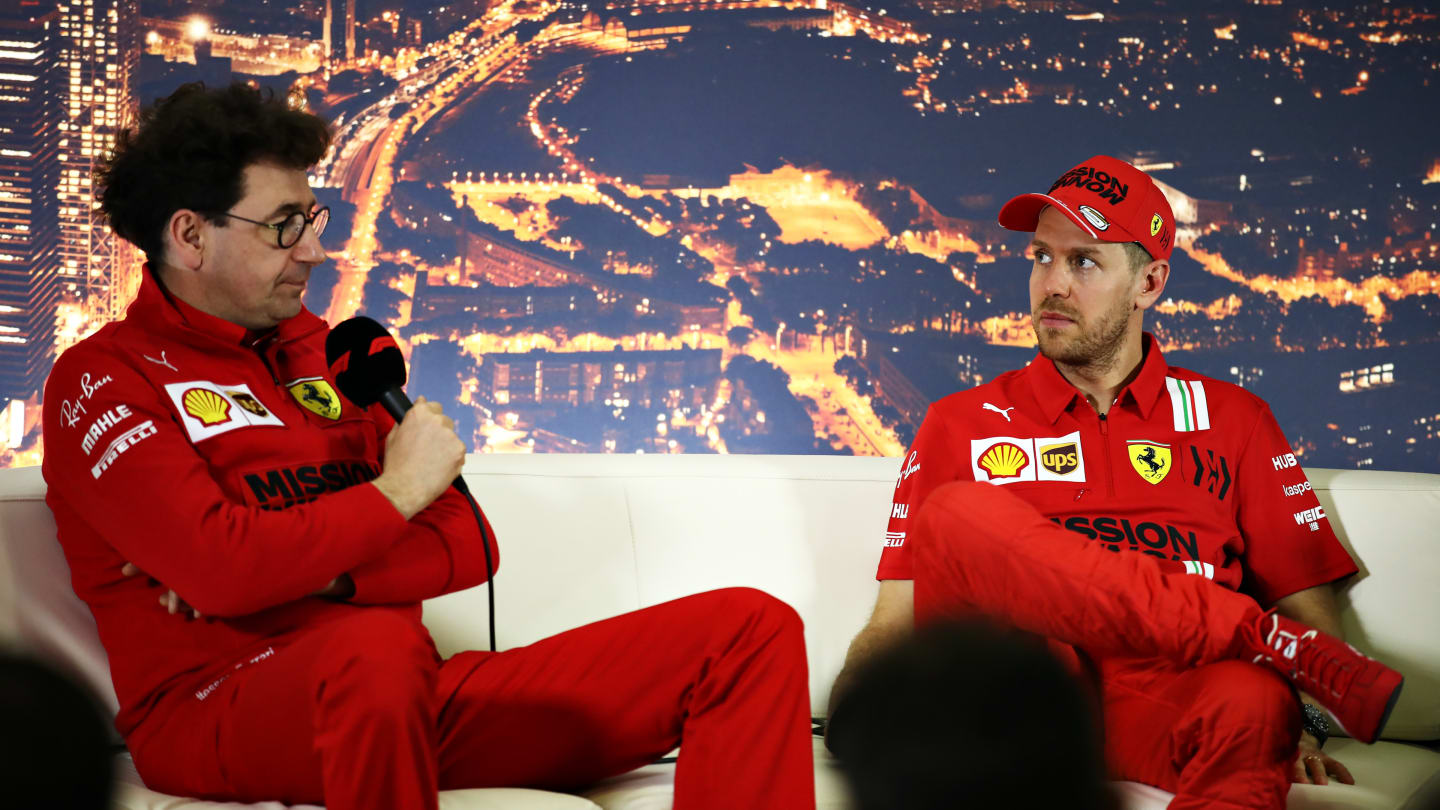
(289, 231)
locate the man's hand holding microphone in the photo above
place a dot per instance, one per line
(423, 457)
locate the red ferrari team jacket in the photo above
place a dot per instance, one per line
(1191, 471)
(226, 465)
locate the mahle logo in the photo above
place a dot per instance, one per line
(1060, 459)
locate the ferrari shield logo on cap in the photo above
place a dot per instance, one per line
(316, 396)
(1156, 223)
(1150, 459)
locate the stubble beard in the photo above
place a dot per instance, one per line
(1094, 349)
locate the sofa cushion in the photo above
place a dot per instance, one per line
(583, 538)
(132, 797)
(38, 608)
(1387, 522)
(1387, 774)
(131, 794)
(653, 786)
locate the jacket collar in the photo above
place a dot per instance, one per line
(157, 309)
(1055, 394)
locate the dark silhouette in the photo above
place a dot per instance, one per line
(55, 751)
(969, 715)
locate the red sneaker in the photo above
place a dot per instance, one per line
(1359, 691)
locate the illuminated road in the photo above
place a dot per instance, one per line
(363, 168)
(366, 171)
(1370, 293)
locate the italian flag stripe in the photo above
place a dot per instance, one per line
(1188, 404)
(1202, 408)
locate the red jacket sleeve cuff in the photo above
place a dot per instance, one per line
(419, 563)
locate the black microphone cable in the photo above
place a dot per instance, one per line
(369, 368)
(489, 560)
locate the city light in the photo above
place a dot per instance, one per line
(552, 242)
(197, 28)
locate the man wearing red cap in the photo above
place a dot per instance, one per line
(1151, 522)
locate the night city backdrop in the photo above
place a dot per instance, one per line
(769, 227)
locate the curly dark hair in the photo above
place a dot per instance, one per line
(190, 150)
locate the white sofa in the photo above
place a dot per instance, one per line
(586, 537)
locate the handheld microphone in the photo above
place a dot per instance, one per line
(369, 368)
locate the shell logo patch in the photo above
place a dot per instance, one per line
(316, 396)
(1004, 460)
(1156, 223)
(1151, 460)
(210, 407)
(207, 409)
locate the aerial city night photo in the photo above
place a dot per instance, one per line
(769, 226)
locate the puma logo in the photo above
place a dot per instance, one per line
(1005, 412)
(161, 362)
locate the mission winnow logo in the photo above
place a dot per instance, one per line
(284, 487)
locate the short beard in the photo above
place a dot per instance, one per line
(1093, 351)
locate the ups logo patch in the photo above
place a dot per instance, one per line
(1060, 459)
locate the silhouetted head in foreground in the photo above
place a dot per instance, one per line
(967, 715)
(54, 742)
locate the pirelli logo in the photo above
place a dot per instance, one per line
(123, 442)
(284, 487)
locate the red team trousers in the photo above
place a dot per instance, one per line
(363, 713)
(1182, 711)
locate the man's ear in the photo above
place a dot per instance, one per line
(1153, 277)
(185, 239)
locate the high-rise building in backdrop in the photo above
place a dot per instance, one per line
(99, 51)
(339, 29)
(29, 173)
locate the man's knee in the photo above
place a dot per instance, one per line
(379, 657)
(954, 513)
(753, 610)
(1239, 693)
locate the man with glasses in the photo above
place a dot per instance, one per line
(199, 456)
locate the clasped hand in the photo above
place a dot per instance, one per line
(172, 602)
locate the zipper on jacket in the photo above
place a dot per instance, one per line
(260, 348)
(1109, 464)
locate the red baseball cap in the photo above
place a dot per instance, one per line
(1108, 199)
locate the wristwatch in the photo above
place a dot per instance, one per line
(1315, 723)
